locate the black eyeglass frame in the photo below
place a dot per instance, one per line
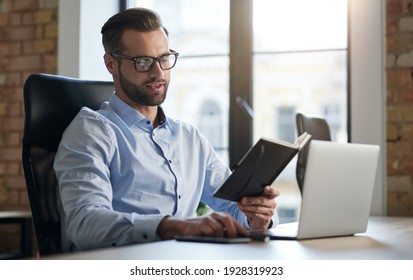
(155, 59)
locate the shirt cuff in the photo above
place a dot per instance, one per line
(145, 230)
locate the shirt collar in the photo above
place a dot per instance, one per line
(131, 116)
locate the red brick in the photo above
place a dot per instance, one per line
(28, 47)
(26, 62)
(392, 132)
(20, 33)
(391, 43)
(15, 19)
(3, 64)
(14, 109)
(50, 31)
(391, 26)
(23, 5)
(15, 48)
(45, 16)
(14, 79)
(15, 183)
(13, 168)
(45, 46)
(407, 166)
(3, 108)
(4, 49)
(393, 114)
(24, 199)
(49, 63)
(406, 111)
(399, 149)
(394, 8)
(28, 18)
(398, 77)
(393, 166)
(39, 33)
(17, 95)
(406, 94)
(392, 95)
(12, 197)
(3, 168)
(407, 131)
(14, 124)
(10, 154)
(4, 20)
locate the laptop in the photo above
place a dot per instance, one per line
(337, 193)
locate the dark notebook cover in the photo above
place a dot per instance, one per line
(260, 167)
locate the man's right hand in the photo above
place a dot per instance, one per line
(214, 224)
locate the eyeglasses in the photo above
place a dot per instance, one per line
(146, 63)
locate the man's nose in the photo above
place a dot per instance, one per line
(157, 71)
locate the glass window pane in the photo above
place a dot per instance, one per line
(311, 82)
(196, 27)
(300, 53)
(281, 25)
(199, 94)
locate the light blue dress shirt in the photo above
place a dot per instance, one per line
(119, 176)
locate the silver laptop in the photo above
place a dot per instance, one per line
(337, 192)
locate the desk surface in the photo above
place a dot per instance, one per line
(386, 238)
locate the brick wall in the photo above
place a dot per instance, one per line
(399, 72)
(28, 44)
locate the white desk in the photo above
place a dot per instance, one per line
(386, 238)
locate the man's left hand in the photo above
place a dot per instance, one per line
(260, 210)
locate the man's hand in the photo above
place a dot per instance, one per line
(214, 224)
(259, 210)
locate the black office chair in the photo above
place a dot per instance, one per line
(50, 104)
(319, 130)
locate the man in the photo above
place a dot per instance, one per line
(129, 174)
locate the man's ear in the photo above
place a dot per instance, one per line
(110, 63)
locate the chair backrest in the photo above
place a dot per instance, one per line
(50, 104)
(319, 130)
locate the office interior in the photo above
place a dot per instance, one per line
(63, 37)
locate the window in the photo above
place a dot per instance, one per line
(300, 64)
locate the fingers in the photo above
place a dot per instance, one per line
(258, 206)
(257, 211)
(270, 192)
(260, 210)
(212, 225)
(259, 217)
(216, 224)
(224, 225)
(260, 203)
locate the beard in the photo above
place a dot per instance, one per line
(142, 95)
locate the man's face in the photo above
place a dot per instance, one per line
(142, 88)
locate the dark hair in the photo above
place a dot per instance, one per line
(139, 19)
